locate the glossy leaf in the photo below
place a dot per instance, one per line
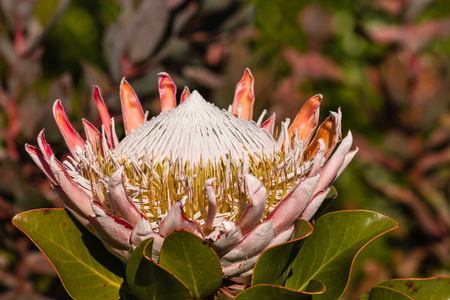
(328, 254)
(273, 262)
(385, 293)
(193, 261)
(267, 291)
(426, 288)
(148, 280)
(86, 269)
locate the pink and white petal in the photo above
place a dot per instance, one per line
(80, 199)
(314, 205)
(269, 124)
(158, 241)
(221, 242)
(247, 273)
(245, 268)
(329, 172)
(282, 237)
(93, 136)
(347, 159)
(252, 244)
(40, 161)
(318, 159)
(210, 193)
(143, 231)
(118, 230)
(244, 97)
(122, 253)
(185, 94)
(104, 115)
(240, 268)
(176, 219)
(254, 212)
(119, 199)
(71, 137)
(290, 208)
(167, 92)
(70, 206)
(133, 115)
(44, 146)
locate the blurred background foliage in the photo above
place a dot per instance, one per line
(384, 62)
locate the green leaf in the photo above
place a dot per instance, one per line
(148, 280)
(193, 261)
(426, 288)
(269, 292)
(328, 254)
(385, 293)
(86, 269)
(273, 262)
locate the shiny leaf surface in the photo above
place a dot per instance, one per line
(85, 267)
(426, 288)
(193, 261)
(269, 292)
(385, 293)
(148, 280)
(328, 254)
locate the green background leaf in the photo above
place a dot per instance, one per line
(148, 280)
(427, 288)
(85, 267)
(327, 255)
(193, 261)
(273, 262)
(385, 293)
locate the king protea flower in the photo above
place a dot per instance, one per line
(196, 167)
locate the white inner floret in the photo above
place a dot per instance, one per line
(197, 130)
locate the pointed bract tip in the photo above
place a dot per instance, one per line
(133, 115)
(185, 94)
(163, 74)
(244, 97)
(167, 91)
(269, 124)
(349, 135)
(247, 72)
(96, 90)
(70, 135)
(97, 95)
(57, 106)
(97, 208)
(41, 133)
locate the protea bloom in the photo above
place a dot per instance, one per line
(213, 172)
